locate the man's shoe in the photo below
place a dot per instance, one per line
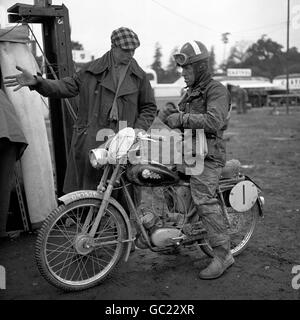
(228, 261)
(217, 267)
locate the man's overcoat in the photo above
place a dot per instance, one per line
(96, 90)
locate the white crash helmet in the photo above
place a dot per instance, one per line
(191, 52)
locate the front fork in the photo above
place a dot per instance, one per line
(133, 210)
(105, 201)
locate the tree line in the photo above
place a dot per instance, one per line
(265, 57)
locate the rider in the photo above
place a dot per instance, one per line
(205, 105)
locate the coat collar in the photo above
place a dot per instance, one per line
(201, 85)
(192, 93)
(200, 88)
(98, 66)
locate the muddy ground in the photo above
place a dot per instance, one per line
(269, 148)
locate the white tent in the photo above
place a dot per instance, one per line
(36, 162)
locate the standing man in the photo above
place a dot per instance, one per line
(242, 99)
(111, 89)
(205, 106)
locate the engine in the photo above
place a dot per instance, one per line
(162, 227)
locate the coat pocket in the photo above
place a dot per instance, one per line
(212, 147)
(80, 129)
(80, 134)
(216, 149)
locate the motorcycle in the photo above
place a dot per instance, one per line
(85, 239)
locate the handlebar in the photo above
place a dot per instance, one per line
(149, 137)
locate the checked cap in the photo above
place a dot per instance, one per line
(125, 38)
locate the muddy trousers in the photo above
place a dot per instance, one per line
(203, 190)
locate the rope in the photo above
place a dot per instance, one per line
(12, 29)
(69, 106)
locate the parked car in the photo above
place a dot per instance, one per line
(257, 89)
(165, 93)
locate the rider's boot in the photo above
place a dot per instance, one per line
(222, 260)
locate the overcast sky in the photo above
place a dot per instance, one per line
(173, 22)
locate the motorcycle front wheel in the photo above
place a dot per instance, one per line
(242, 226)
(67, 257)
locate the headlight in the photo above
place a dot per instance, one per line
(98, 157)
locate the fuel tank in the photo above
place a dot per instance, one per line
(151, 175)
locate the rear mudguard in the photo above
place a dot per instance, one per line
(259, 200)
(260, 206)
(248, 178)
(91, 194)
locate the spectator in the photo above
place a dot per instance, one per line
(111, 89)
(242, 99)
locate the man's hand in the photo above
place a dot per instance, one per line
(166, 110)
(20, 80)
(175, 120)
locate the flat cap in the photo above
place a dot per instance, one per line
(125, 38)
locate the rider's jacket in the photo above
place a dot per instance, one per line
(206, 106)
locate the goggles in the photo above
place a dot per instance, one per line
(181, 59)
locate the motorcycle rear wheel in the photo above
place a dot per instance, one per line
(62, 253)
(242, 228)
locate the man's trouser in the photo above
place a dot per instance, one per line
(203, 190)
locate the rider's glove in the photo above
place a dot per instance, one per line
(175, 120)
(139, 132)
(166, 110)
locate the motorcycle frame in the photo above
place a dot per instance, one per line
(116, 178)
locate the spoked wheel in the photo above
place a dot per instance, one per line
(241, 230)
(66, 255)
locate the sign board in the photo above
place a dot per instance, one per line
(294, 83)
(239, 72)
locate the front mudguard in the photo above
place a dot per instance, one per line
(91, 194)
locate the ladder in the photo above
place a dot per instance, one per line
(21, 198)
